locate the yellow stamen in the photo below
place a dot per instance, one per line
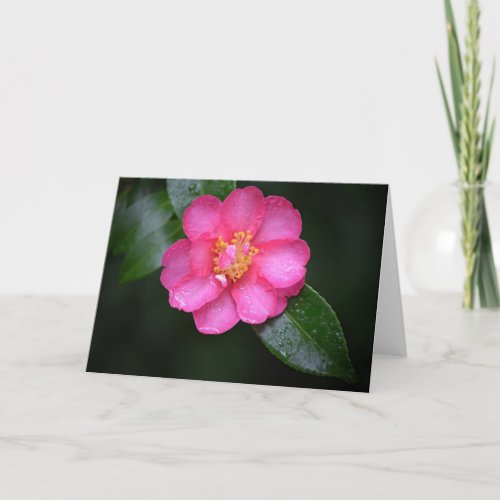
(243, 254)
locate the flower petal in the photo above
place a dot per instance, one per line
(194, 292)
(281, 221)
(243, 210)
(282, 263)
(201, 218)
(202, 257)
(281, 303)
(293, 290)
(255, 298)
(218, 316)
(176, 263)
(284, 293)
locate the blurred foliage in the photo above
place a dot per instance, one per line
(143, 227)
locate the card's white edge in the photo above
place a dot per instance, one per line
(389, 326)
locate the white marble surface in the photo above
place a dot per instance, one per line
(430, 428)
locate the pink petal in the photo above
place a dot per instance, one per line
(281, 221)
(284, 293)
(202, 257)
(217, 316)
(255, 298)
(281, 303)
(282, 263)
(201, 218)
(176, 262)
(293, 290)
(194, 292)
(243, 210)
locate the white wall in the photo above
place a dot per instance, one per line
(309, 90)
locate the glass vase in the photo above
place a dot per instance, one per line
(453, 244)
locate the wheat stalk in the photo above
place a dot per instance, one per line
(470, 167)
(473, 153)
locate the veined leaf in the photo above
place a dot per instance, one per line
(183, 191)
(308, 337)
(142, 217)
(144, 257)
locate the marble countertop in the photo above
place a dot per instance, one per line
(430, 428)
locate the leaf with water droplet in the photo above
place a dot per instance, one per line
(308, 337)
(183, 191)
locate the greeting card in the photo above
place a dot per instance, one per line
(276, 283)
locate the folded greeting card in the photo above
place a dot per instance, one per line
(277, 283)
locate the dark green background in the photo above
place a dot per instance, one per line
(136, 331)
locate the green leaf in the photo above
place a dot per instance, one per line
(456, 74)
(489, 146)
(308, 337)
(454, 59)
(141, 188)
(489, 294)
(119, 226)
(183, 191)
(142, 217)
(451, 125)
(450, 17)
(484, 140)
(145, 255)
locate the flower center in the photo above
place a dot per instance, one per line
(233, 259)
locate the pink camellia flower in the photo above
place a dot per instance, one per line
(241, 260)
